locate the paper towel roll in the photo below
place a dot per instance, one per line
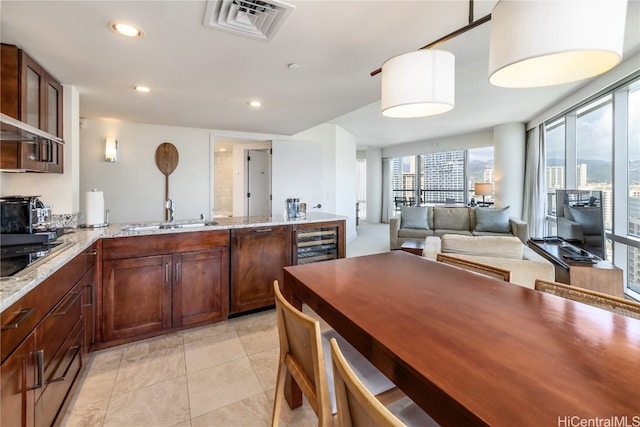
(94, 208)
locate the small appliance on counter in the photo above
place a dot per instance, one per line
(26, 220)
(27, 235)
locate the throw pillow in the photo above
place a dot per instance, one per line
(451, 218)
(413, 217)
(590, 219)
(493, 220)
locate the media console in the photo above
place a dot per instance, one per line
(577, 267)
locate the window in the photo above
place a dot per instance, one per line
(633, 170)
(440, 178)
(594, 152)
(403, 181)
(555, 146)
(361, 188)
(479, 169)
(598, 145)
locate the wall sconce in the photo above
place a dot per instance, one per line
(111, 149)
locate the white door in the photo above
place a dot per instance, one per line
(259, 182)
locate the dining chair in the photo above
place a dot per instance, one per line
(587, 296)
(476, 267)
(357, 407)
(302, 355)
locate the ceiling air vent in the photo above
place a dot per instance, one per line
(251, 18)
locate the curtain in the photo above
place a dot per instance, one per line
(535, 185)
(387, 206)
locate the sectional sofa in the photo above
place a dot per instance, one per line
(420, 222)
(485, 235)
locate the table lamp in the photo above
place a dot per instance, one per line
(483, 189)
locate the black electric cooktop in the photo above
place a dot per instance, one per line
(17, 258)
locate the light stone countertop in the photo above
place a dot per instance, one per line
(15, 287)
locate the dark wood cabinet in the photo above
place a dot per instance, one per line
(42, 345)
(89, 286)
(258, 256)
(200, 287)
(28, 93)
(136, 296)
(19, 380)
(152, 284)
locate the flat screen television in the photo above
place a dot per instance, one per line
(580, 219)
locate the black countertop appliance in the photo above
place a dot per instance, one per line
(25, 220)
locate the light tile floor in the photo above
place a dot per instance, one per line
(217, 375)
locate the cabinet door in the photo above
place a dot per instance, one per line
(136, 296)
(18, 377)
(257, 259)
(200, 286)
(88, 308)
(32, 92)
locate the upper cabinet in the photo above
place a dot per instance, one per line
(29, 94)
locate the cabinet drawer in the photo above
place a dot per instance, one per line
(21, 317)
(139, 246)
(57, 326)
(65, 367)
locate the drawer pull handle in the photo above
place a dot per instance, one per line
(75, 348)
(91, 253)
(90, 304)
(23, 316)
(69, 304)
(166, 273)
(263, 230)
(40, 358)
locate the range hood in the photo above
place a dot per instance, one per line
(16, 131)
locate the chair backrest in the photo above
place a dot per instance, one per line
(476, 267)
(356, 405)
(301, 353)
(587, 296)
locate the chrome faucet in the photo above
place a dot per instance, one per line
(170, 205)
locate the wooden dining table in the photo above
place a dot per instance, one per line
(473, 350)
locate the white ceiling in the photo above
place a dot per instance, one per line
(204, 78)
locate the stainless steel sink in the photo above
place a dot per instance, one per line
(167, 225)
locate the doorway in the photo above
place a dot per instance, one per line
(258, 182)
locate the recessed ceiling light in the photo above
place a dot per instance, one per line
(255, 104)
(126, 30)
(143, 89)
(293, 66)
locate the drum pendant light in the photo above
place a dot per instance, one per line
(418, 84)
(538, 43)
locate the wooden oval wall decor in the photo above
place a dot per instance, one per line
(167, 160)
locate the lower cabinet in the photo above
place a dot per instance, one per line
(19, 380)
(258, 256)
(136, 296)
(200, 287)
(43, 339)
(177, 281)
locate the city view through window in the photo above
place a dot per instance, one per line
(446, 177)
(580, 149)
